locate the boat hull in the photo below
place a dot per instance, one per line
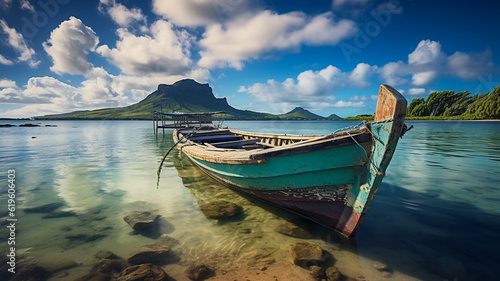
(322, 168)
(323, 205)
(313, 184)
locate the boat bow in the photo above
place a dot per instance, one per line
(386, 130)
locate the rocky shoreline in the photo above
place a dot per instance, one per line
(168, 258)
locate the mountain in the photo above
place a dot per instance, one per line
(334, 117)
(300, 113)
(183, 96)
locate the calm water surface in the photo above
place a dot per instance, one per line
(436, 215)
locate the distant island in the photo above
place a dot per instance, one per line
(190, 96)
(184, 96)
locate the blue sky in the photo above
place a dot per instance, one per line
(58, 56)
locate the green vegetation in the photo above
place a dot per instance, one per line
(362, 117)
(448, 105)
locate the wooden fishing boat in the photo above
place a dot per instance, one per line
(330, 179)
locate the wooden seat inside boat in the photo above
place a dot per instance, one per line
(245, 144)
(214, 138)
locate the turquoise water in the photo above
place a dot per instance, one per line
(436, 216)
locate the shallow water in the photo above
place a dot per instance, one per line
(435, 217)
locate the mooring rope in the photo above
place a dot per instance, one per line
(168, 151)
(366, 123)
(362, 123)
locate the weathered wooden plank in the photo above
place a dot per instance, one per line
(265, 144)
(195, 133)
(216, 138)
(235, 144)
(272, 136)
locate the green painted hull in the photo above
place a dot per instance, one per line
(330, 167)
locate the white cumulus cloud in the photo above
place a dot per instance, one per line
(26, 5)
(245, 38)
(428, 62)
(17, 42)
(196, 13)
(68, 46)
(120, 14)
(187, 12)
(5, 61)
(6, 83)
(312, 89)
(164, 50)
(427, 51)
(39, 90)
(416, 91)
(469, 66)
(424, 78)
(361, 73)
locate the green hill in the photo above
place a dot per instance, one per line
(183, 96)
(334, 117)
(300, 113)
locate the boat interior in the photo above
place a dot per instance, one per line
(224, 138)
(234, 139)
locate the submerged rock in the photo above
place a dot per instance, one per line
(53, 266)
(155, 253)
(29, 125)
(105, 254)
(143, 272)
(380, 266)
(47, 208)
(58, 214)
(104, 270)
(333, 274)
(169, 241)
(140, 220)
(199, 271)
(305, 254)
(84, 237)
(96, 276)
(293, 229)
(219, 209)
(110, 265)
(66, 228)
(30, 272)
(317, 272)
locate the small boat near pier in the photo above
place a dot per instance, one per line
(331, 179)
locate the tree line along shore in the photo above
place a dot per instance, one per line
(451, 105)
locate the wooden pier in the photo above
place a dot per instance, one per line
(167, 120)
